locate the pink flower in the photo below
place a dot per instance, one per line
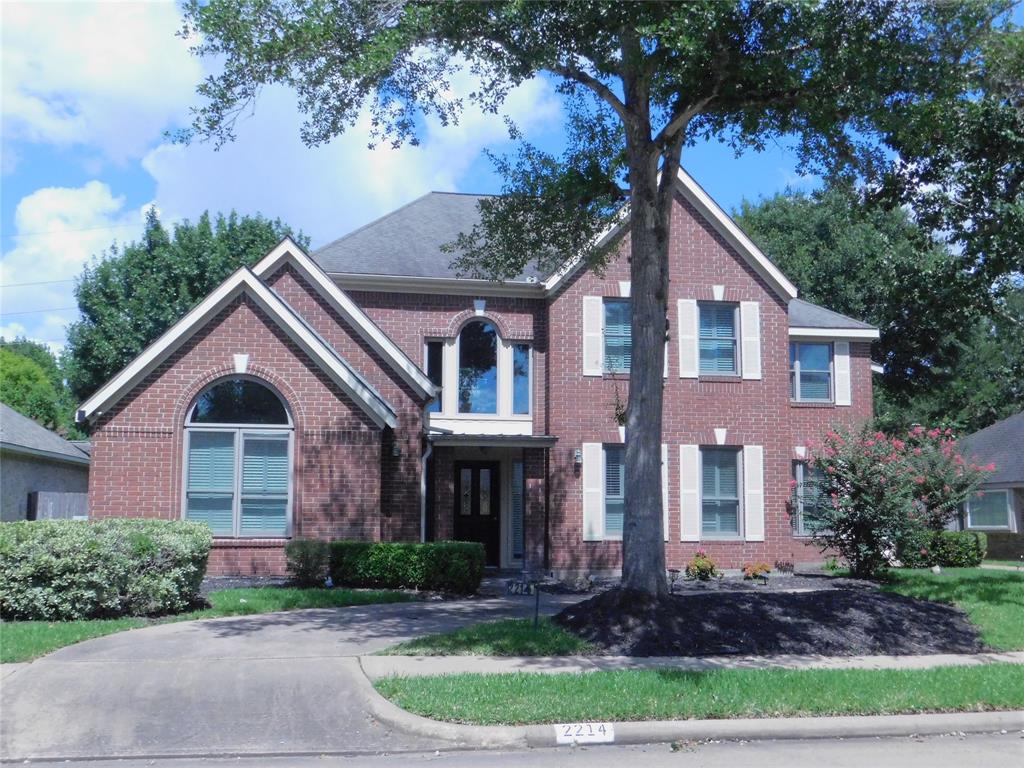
(917, 451)
(933, 433)
(990, 467)
(792, 484)
(898, 444)
(919, 479)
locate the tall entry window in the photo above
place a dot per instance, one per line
(478, 368)
(238, 447)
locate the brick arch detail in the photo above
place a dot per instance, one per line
(197, 385)
(463, 318)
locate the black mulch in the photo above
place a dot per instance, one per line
(830, 622)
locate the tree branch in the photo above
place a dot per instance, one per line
(603, 91)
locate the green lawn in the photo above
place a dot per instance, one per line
(994, 600)
(666, 695)
(509, 637)
(26, 640)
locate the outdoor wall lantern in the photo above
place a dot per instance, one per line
(577, 457)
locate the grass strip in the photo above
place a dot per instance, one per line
(507, 637)
(993, 600)
(27, 640)
(523, 698)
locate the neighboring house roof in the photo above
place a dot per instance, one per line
(1001, 444)
(244, 281)
(407, 242)
(85, 446)
(806, 319)
(19, 434)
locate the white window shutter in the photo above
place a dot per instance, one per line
(689, 494)
(750, 327)
(593, 336)
(664, 373)
(664, 489)
(842, 369)
(688, 355)
(593, 492)
(753, 493)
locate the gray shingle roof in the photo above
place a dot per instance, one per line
(408, 241)
(803, 314)
(20, 432)
(1002, 444)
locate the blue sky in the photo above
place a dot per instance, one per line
(89, 90)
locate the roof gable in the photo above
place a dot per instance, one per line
(244, 281)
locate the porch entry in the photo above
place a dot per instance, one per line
(478, 506)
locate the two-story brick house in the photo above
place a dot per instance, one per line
(368, 392)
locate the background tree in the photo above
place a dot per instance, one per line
(136, 292)
(60, 415)
(25, 387)
(644, 81)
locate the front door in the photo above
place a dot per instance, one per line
(477, 506)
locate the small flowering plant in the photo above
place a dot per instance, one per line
(701, 567)
(877, 491)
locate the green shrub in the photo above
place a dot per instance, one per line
(949, 549)
(701, 567)
(445, 566)
(306, 561)
(58, 570)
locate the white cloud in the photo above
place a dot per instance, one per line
(57, 230)
(108, 76)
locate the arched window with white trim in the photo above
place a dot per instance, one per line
(478, 368)
(238, 460)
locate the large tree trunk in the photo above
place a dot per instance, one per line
(643, 538)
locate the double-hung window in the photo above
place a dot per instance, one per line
(808, 498)
(810, 372)
(718, 338)
(238, 460)
(720, 492)
(989, 509)
(614, 487)
(618, 338)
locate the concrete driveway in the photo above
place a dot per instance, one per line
(283, 683)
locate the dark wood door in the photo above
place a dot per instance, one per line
(478, 506)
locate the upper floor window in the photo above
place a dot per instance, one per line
(718, 338)
(989, 509)
(435, 372)
(810, 371)
(478, 368)
(720, 492)
(618, 338)
(238, 460)
(520, 379)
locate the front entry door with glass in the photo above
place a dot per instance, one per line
(477, 506)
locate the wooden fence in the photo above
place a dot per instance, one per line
(58, 505)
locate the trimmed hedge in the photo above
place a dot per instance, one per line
(949, 549)
(58, 570)
(306, 561)
(444, 566)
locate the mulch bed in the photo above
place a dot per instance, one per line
(829, 622)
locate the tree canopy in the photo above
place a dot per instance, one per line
(25, 387)
(135, 292)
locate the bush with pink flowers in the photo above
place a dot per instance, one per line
(879, 491)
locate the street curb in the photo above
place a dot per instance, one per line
(657, 731)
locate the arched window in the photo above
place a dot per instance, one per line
(478, 368)
(238, 448)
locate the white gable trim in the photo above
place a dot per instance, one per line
(288, 251)
(242, 281)
(833, 333)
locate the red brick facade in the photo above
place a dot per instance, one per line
(354, 479)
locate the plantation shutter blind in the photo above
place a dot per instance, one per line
(593, 492)
(593, 336)
(750, 327)
(753, 492)
(664, 489)
(618, 336)
(719, 492)
(614, 490)
(842, 367)
(717, 323)
(264, 485)
(689, 495)
(688, 352)
(211, 480)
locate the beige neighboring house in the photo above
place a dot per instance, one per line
(39, 467)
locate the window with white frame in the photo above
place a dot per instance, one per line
(720, 492)
(478, 368)
(810, 371)
(808, 498)
(719, 342)
(520, 379)
(989, 509)
(238, 447)
(614, 490)
(618, 335)
(434, 354)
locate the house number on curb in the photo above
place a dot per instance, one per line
(584, 733)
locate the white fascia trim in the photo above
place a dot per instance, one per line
(877, 368)
(289, 251)
(241, 281)
(704, 203)
(833, 333)
(436, 285)
(570, 267)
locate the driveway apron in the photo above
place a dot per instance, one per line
(283, 683)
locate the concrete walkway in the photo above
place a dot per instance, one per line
(270, 684)
(377, 667)
(994, 567)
